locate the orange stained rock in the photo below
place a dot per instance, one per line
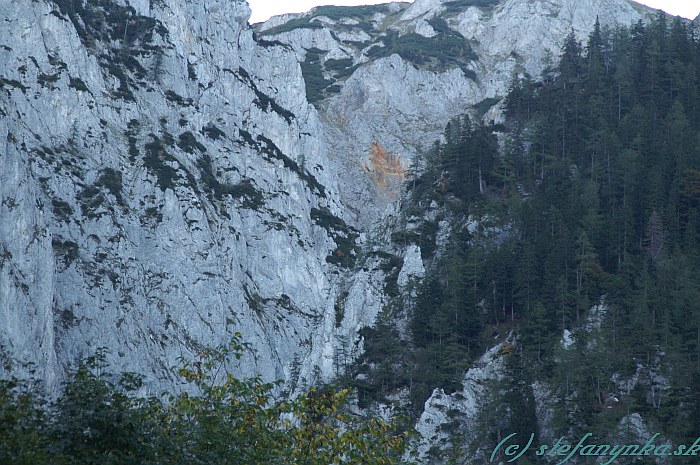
(384, 162)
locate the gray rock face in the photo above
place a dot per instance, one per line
(165, 182)
(402, 100)
(412, 269)
(469, 402)
(163, 187)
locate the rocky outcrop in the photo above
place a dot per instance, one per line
(445, 413)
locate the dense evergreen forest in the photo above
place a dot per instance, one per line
(580, 212)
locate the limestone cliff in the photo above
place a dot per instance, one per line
(164, 182)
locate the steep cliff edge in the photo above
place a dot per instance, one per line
(164, 182)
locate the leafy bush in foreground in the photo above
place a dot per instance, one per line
(219, 419)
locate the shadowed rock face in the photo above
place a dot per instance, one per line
(165, 182)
